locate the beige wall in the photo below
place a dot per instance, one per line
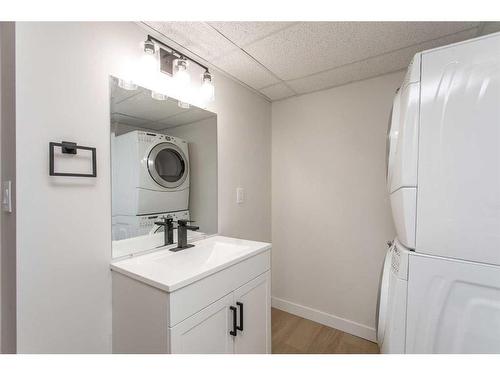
(64, 225)
(244, 147)
(330, 210)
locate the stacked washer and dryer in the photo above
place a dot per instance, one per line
(440, 287)
(150, 180)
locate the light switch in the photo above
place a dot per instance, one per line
(7, 196)
(240, 195)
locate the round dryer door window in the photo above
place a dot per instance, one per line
(167, 165)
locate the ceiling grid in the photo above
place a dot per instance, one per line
(285, 59)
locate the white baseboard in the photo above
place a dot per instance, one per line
(345, 325)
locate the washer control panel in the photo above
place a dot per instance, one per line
(148, 221)
(156, 138)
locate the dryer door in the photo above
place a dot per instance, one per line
(392, 138)
(405, 141)
(167, 165)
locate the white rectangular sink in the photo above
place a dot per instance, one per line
(170, 271)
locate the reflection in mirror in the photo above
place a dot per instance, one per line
(164, 169)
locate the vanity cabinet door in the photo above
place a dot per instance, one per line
(206, 332)
(253, 301)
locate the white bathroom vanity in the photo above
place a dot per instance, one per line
(210, 298)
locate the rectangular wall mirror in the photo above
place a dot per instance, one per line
(164, 168)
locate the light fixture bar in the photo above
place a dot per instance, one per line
(173, 51)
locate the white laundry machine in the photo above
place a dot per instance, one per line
(444, 181)
(150, 174)
(431, 304)
(444, 152)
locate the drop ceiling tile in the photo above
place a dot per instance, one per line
(118, 94)
(243, 33)
(156, 126)
(311, 47)
(187, 117)
(142, 106)
(276, 92)
(197, 37)
(490, 27)
(126, 120)
(372, 67)
(241, 66)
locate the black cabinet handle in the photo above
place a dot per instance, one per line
(233, 332)
(240, 327)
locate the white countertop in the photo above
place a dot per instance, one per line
(169, 270)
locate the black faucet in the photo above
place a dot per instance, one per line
(168, 230)
(182, 229)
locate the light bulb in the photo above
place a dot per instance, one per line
(207, 87)
(182, 78)
(148, 64)
(181, 74)
(149, 47)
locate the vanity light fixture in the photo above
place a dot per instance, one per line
(176, 65)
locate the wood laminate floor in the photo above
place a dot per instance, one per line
(292, 334)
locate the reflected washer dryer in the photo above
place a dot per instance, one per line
(150, 174)
(127, 226)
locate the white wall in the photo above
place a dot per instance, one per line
(330, 210)
(244, 149)
(63, 224)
